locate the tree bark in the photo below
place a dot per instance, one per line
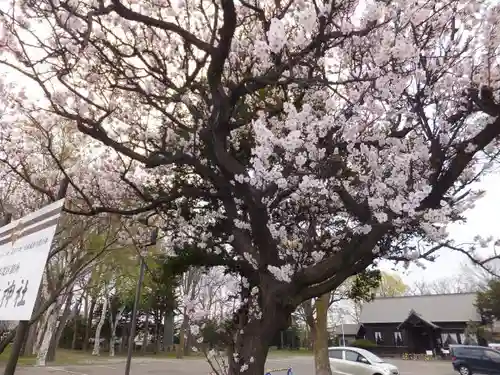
(75, 333)
(29, 345)
(182, 336)
(168, 331)
(88, 326)
(145, 339)
(56, 337)
(129, 333)
(249, 352)
(189, 342)
(114, 324)
(48, 333)
(97, 338)
(124, 335)
(43, 328)
(320, 343)
(75, 315)
(157, 333)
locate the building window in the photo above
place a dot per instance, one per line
(378, 338)
(462, 338)
(398, 338)
(468, 338)
(449, 338)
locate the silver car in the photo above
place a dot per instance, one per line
(346, 360)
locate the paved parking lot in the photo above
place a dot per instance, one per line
(301, 365)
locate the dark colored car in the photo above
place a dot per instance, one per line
(471, 359)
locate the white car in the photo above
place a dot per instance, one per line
(346, 360)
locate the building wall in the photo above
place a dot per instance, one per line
(383, 333)
(387, 334)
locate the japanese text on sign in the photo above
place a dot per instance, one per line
(12, 289)
(24, 247)
(9, 270)
(28, 246)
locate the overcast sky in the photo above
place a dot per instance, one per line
(481, 220)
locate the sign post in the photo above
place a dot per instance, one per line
(131, 339)
(24, 247)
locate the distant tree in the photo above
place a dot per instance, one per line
(488, 302)
(470, 278)
(391, 285)
(358, 288)
(387, 285)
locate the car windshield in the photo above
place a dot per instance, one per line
(370, 356)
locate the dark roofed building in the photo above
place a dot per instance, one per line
(419, 323)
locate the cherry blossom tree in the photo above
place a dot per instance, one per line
(293, 143)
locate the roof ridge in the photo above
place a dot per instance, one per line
(425, 295)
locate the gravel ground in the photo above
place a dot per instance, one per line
(301, 365)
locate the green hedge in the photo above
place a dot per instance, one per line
(363, 343)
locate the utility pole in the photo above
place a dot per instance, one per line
(343, 336)
(154, 237)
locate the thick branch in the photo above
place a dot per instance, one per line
(358, 248)
(459, 163)
(167, 26)
(335, 281)
(220, 54)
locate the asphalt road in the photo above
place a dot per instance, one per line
(301, 365)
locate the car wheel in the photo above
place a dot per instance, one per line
(464, 370)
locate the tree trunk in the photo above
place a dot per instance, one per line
(56, 337)
(154, 341)
(189, 341)
(29, 347)
(75, 333)
(29, 344)
(97, 338)
(49, 332)
(182, 336)
(249, 352)
(75, 315)
(124, 336)
(114, 324)
(320, 343)
(89, 317)
(157, 333)
(168, 331)
(43, 328)
(145, 339)
(25, 339)
(129, 333)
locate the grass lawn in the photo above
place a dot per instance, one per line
(63, 357)
(72, 357)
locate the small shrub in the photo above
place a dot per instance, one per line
(363, 343)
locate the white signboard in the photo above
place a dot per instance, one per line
(24, 248)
